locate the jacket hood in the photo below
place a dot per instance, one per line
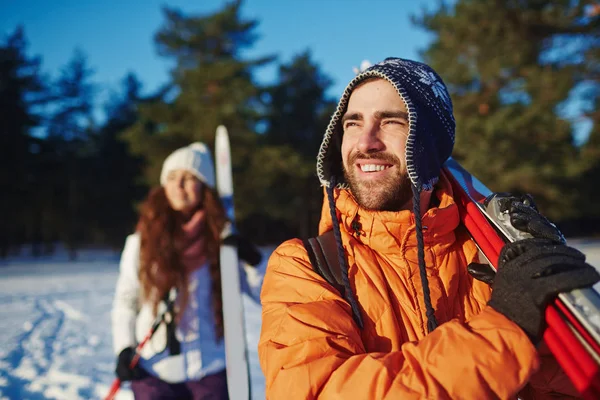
(430, 118)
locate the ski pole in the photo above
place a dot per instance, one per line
(116, 385)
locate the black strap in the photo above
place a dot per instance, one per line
(169, 318)
(322, 252)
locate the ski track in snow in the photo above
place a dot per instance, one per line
(55, 330)
(55, 334)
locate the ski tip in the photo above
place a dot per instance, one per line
(363, 66)
(221, 130)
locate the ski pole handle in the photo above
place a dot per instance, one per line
(172, 294)
(114, 388)
(116, 385)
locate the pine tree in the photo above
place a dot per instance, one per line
(511, 67)
(69, 184)
(116, 172)
(298, 107)
(211, 84)
(296, 118)
(22, 89)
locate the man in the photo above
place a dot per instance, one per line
(412, 322)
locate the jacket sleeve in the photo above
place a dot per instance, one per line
(550, 381)
(125, 302)
(310, 347)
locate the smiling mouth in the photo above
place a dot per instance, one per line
(373, 167)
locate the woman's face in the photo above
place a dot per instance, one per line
(183, 190)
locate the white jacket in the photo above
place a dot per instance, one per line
(201, 354)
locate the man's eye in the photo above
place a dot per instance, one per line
(395, 122)
(349, 124)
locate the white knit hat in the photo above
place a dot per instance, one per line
(195, 158)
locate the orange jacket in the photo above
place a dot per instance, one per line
(310, 346)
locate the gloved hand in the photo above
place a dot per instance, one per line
(525, 217)
(531, 273)
(247, 251)
(124, 373)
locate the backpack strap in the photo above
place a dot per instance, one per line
(323, 255)
(322, 252)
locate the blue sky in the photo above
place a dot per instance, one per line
(117, 36)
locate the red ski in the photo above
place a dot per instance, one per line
(573, 333)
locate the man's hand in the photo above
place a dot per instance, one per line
(525, 217)
(531, 273)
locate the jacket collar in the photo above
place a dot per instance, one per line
(386, 231)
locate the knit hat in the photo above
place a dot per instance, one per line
(195, 158)
(429, 144)
(430, 121)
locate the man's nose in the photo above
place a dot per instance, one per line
(370, 139)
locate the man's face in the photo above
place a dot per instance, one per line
(375, 129)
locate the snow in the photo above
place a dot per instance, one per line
(55, 335)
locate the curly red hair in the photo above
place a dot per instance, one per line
(162, 243)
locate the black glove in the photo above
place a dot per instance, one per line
(124, 373)
(525, 217)
(531, 273)
(246, 249)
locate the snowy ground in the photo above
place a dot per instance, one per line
(55, 334)
(55, 340)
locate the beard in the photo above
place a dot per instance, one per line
(390, 193)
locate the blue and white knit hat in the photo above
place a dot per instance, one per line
(430, 119)
(429, 144)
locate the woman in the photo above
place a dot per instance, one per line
(172, 264)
